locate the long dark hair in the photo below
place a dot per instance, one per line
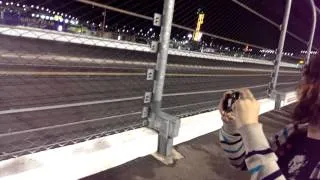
(308, 107)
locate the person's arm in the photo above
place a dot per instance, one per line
(232, 145)
(261, 161)
(230, 140)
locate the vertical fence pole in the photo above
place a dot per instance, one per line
(282, 39)
(165, 124)
(104, 20)
(314, 24)
(162, 58)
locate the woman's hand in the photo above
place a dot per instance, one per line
(246, 109)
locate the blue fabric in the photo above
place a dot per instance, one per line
(256, 169)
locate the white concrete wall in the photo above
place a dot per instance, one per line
(90, 157)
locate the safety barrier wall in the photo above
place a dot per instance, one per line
(90, 157)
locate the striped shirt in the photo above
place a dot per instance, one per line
(280, 157)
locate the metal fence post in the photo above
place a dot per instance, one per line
(282, 39)
(314, 24)
(165, 124)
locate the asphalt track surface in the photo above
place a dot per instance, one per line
(54, 94)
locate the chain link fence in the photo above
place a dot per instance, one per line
(203, 28)
(77, 70)
(69, 73)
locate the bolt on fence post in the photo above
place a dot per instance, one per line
(282, 39)
(313, 29)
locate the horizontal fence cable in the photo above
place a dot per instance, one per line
(66, 125)
(270, 21)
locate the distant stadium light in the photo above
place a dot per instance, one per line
(51, 18)
(37, 7)
(18, 4)
(42, 16)
(24, 6)
(32, 6)
(42, 8)
(88, 22)
(32, 15)
(47, 9)
(7, 3)
(77, 22)
(69, 16)
(0, 2)
(11, 3)
(66, 21)
(53, 12)
(47, 17)
(151, 29)
(119, 37)
(189, 35)
(37, 15)
(60, 28)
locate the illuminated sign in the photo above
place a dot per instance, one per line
(197, 34)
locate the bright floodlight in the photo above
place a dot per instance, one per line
(32, 6)
(190, 36)
(32, 15)
(42, 16)
(150, 29)
(37, 7)
(0, 2)
(60, 28)
(66, 21)
(11, 3)
(24, 6)
(18, 4)
(42, 8)
(7, 3)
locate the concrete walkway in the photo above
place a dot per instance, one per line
(204, 159)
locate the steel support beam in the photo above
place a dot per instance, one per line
(165, 124)
(282, 39)
(313, 29)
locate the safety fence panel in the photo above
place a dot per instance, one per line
(71, 71)
(206, 29)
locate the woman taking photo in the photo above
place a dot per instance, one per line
(294, 152)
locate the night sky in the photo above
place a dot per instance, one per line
(223, 17)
